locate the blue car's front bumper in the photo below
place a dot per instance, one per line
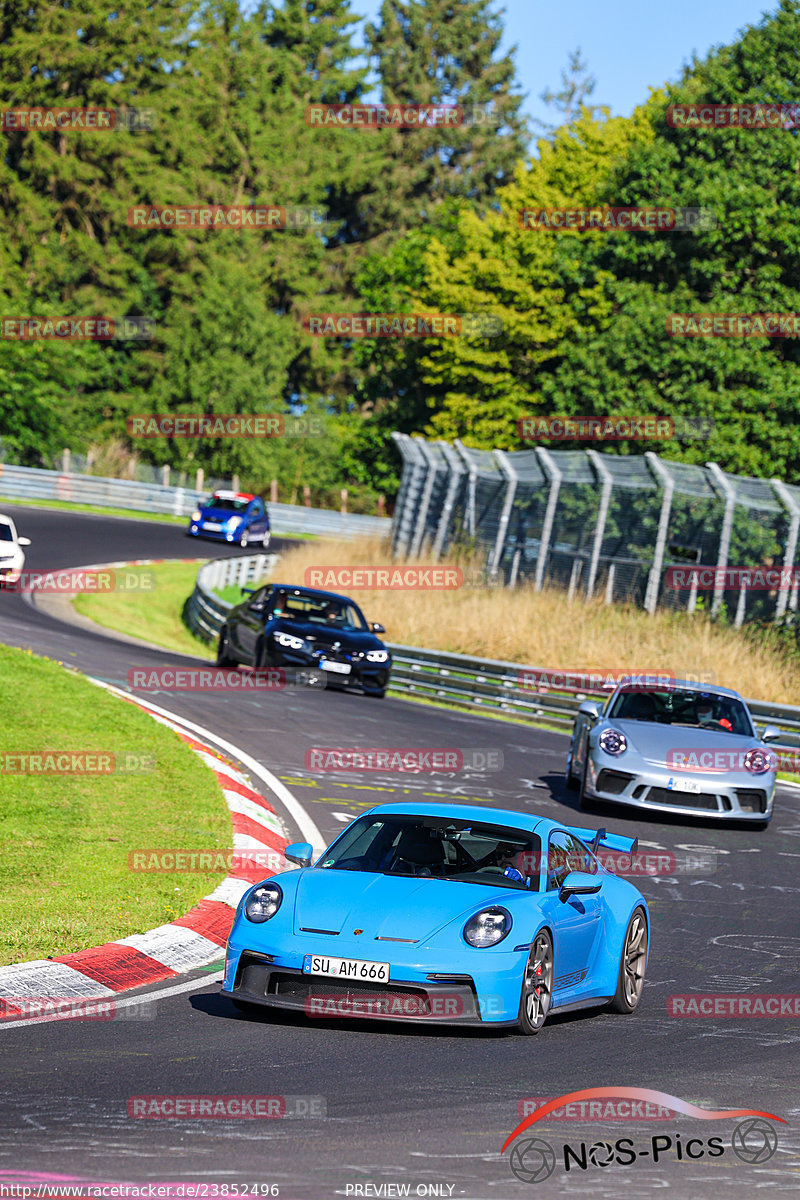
(197, 529)
(477, 987)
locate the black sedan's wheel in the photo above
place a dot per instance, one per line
(630, 980)
(224, 656)
(261, 657)
(537, 986)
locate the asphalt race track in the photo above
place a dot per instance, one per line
(402, 1105)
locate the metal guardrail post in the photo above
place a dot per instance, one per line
(554, 475)
(512, 477)
(723, 485)
(471, 491)
(602, 515)
(454, 479)
(791, 506)
(668, 484)
(427, 492)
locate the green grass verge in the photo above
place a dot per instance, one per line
(65, 882)
(153, 614)
(164, 518)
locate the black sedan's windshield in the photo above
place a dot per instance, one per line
(440, 848)
(317, 610)
(683, 706)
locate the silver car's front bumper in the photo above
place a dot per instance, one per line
(734, 796)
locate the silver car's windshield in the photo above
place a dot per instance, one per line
(683, 706)
(438, 847)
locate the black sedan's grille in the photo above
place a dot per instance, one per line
(701, 800)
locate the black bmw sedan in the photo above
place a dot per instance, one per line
(301, 628)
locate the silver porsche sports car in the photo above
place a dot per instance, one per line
(679, 748)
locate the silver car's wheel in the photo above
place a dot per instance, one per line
(630, 981)
(537, 985)
(584, 802)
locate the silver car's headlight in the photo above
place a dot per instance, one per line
(263, 902)
(613, 742)
(488, 927)
(290, 641)
(758, 762)
(377, 656)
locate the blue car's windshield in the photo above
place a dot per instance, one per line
(440, 848)
(228, 503)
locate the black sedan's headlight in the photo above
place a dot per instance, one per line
(613, 742)
(377, 656)
(263, 902)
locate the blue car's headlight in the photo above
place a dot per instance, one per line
(488, 927)
(263, 902)
(613, 742)
(290, 641)
(196, 515)
(377, 656)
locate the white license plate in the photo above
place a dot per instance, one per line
(339, 668)
(684, 785)
(346, 968)
(212, 525)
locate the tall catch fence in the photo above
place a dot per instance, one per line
(637, 529)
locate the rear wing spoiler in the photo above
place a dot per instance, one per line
(598, 839)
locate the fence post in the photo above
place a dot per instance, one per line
(512, 477)
(554, 475)
(473, 475)
(343, 497)
(306, 495)
(165, 475)
(740, 607)
(65, 462)
(602, 515)
(199, 479)
(273, 491)
(453, 480)
(405, 505)
(609, 597)
(381, 505)
(235, 483)
(425, 500)
(723, 485)
(654, 578)
(790, 504)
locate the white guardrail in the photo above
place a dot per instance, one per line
(31, 483)
(478, 684)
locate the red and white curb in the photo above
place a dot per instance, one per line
(191, 941)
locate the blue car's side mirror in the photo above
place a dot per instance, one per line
(300, 853)
(578, 883)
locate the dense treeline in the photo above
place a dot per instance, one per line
(415, 220)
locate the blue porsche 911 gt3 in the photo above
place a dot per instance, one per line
(447, 913)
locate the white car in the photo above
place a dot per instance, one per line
(12, 556)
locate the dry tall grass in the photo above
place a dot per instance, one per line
(544, 629)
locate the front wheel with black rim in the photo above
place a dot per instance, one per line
(266, 540)
(224, 656)
(537, 985)
(244, 539)
(630, 980)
